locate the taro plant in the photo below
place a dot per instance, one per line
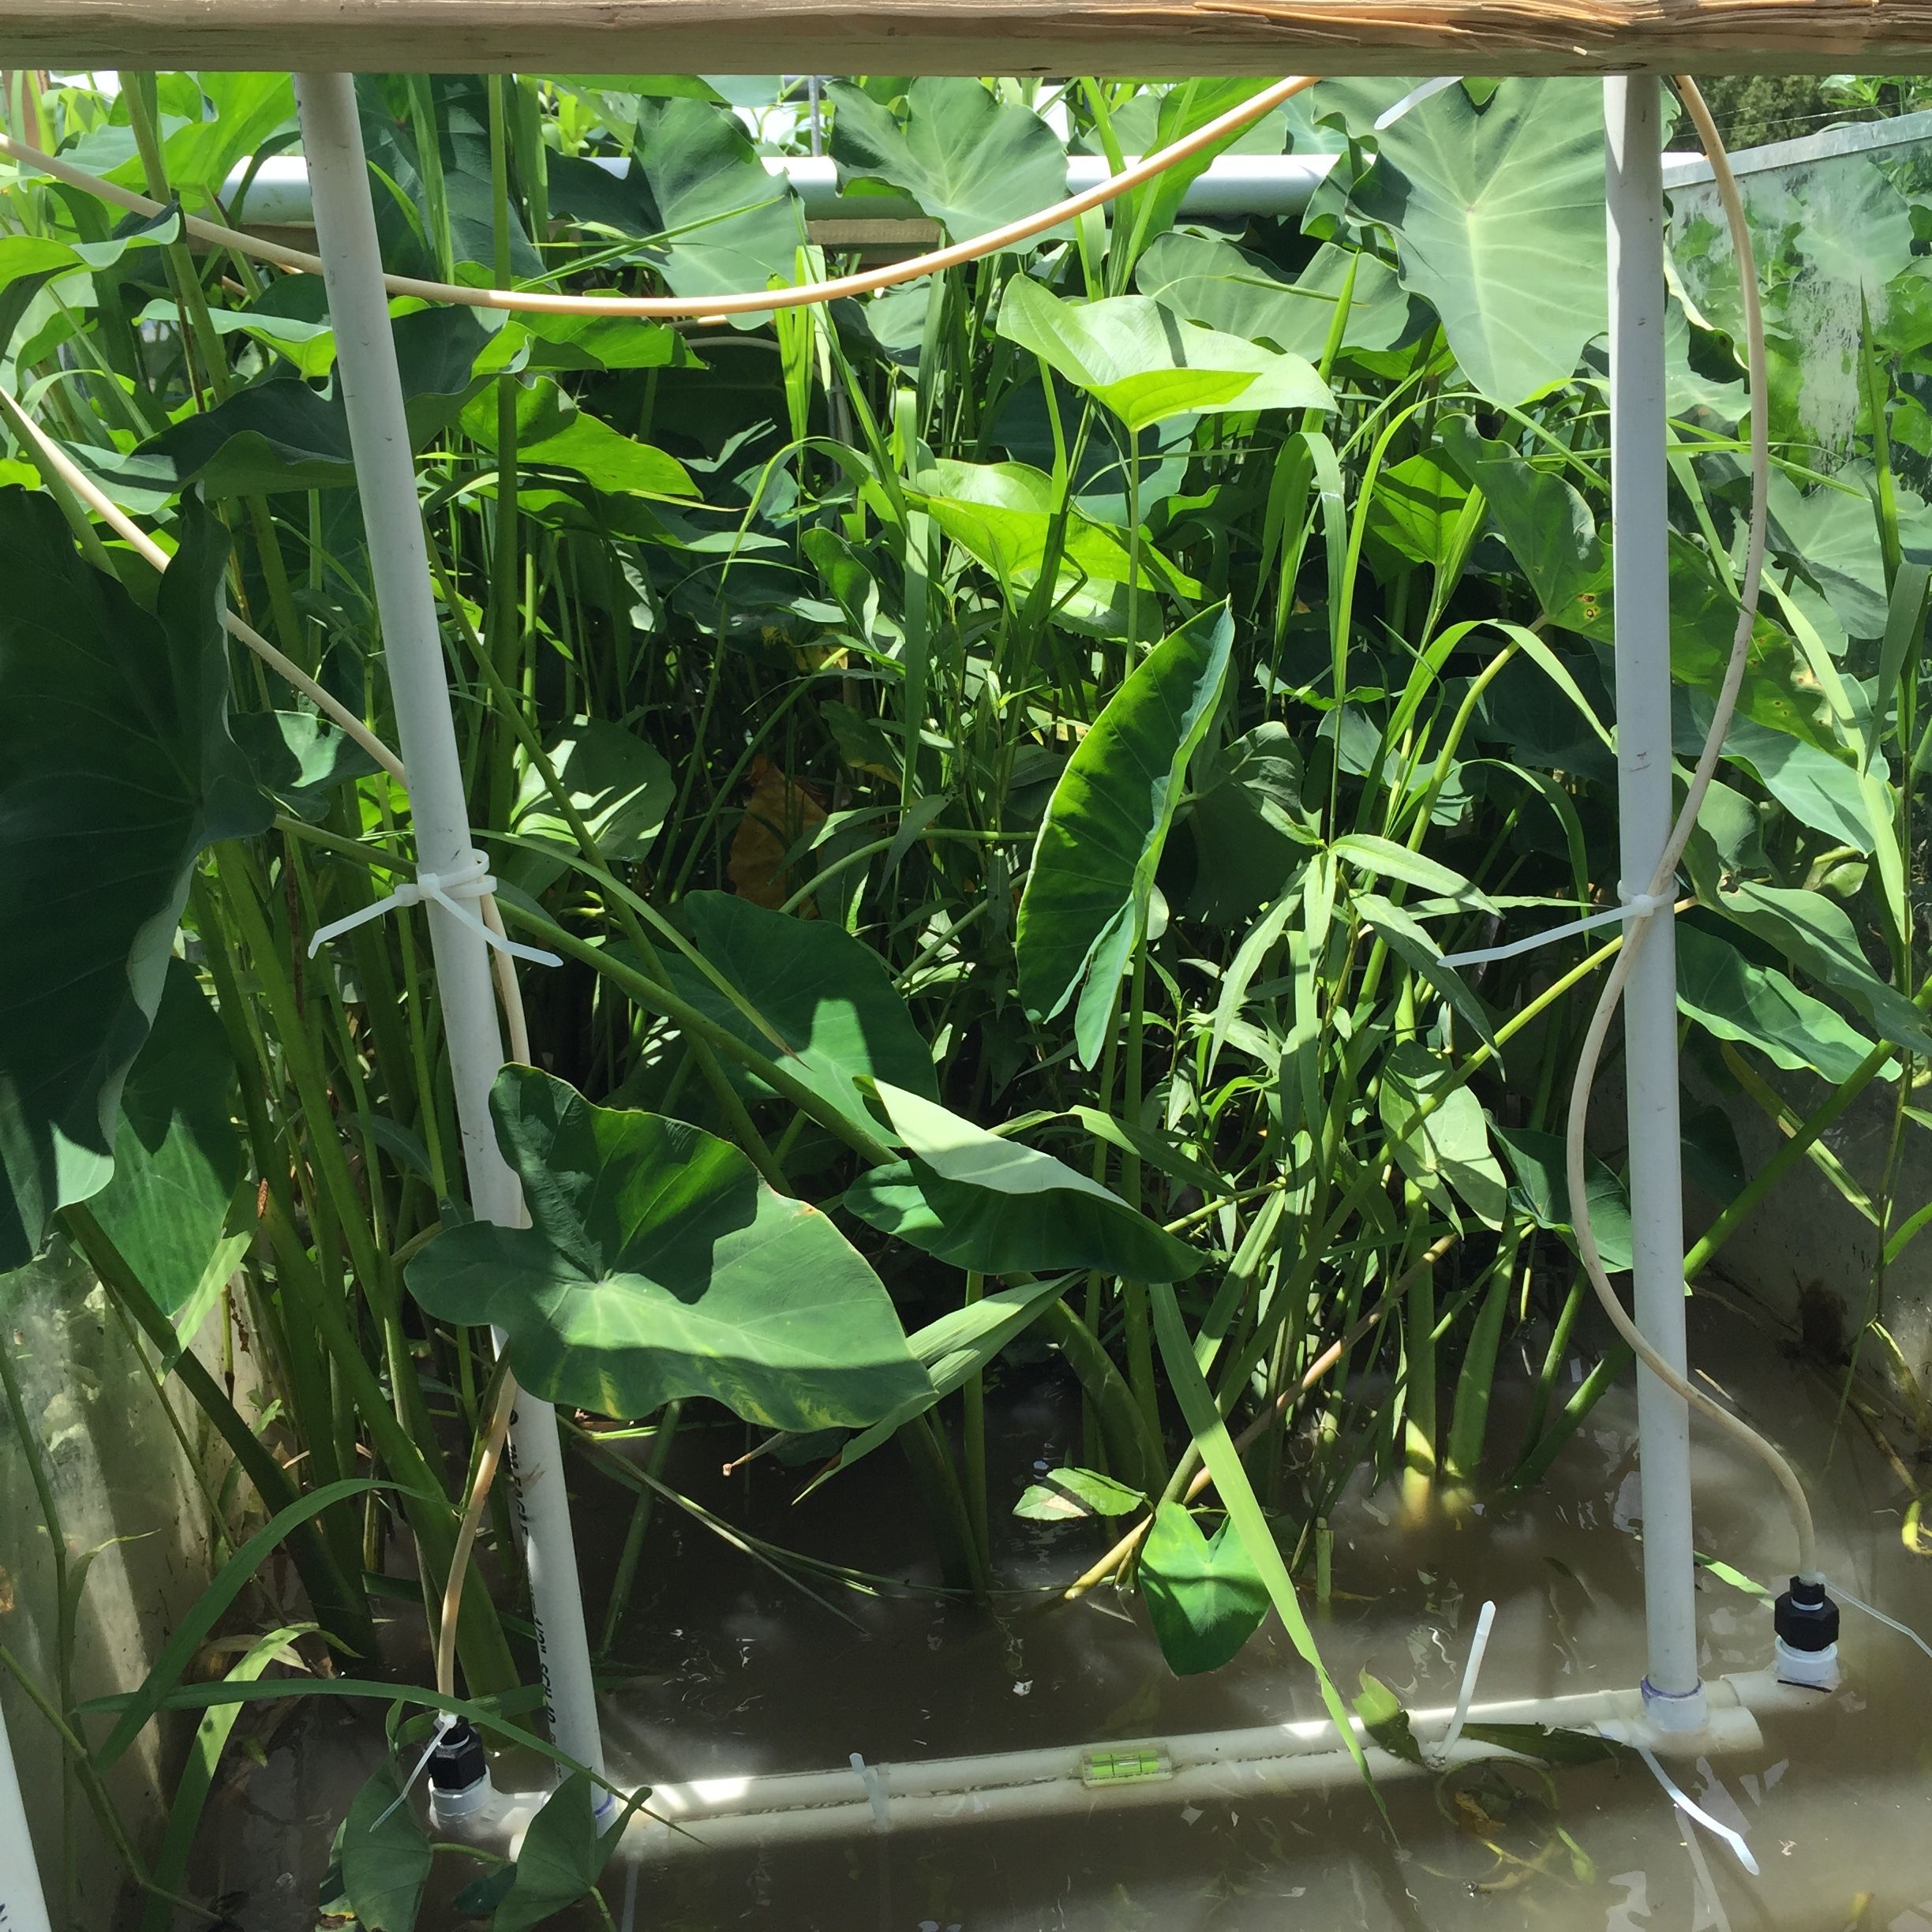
(1001, 763)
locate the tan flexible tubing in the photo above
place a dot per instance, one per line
(1662, 881)
(701, 308)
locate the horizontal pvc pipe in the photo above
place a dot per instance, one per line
(277, 197)
(1010, 1787)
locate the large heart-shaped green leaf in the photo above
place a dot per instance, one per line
(116, 770)
(1101, 841)
(992, 1205)
(658, 1266)
(724, 223)
(1546, 524)
(972, 162)
(563, 1855)
(619, 784)
(1204, 1597)
(1541, 1162)
(1499, 224)
(829, 1007)
(1005, 515)
(382, 1858)
(1737, 999)
(282, 435)
(1211, 282)
(177, 1156)
(1144, 363)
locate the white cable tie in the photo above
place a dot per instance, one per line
(446, 1722)
(1689, 1807)
(453, 891)
(875, 1791)
(1631, 906)
(1485, 1622)
(1891, 1622)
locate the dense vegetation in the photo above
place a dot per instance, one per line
(999, 762)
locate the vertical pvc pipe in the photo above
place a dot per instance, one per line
(366, 365)
(22, 1904)
(1634, 197)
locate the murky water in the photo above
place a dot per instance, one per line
(730, 1670)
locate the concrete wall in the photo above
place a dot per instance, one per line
(126, 1493)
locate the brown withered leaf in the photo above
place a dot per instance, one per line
(778, 812)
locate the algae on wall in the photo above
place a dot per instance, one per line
(134, 1514)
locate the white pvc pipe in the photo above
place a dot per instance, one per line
(413, 650)
(22, 1904)
(1011, 1786)
(278, 195)
(1638, 479)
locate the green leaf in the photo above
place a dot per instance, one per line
(1814, 933)
(659, 1266)
(973, 163)
(831, 1011)
(563, 1856)
(552, 433)
(1386, 1722)
(241, 111)
(114, 748)
(1100, 843)
(1204, 1597)
(1416, 510)
(1384, 859)
(1736, 999)
(177, 1156)
(1552, 1747)
(300, 757)
(1546, 524)
(725, 224)
(1412, 945)
(1145, 363)
(1223, 1460)
(1210, 281)
(958, 1344)
(384, 1867)
(1540, 1162)
(198, 1622)
(619, 784)
(1499, 224)
(996, 1207)
(1068, 1495)
(1452, 1145)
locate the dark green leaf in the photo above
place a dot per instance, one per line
(830, 1010)
(300, 757)
(384, 1867)
(563, 1855)
(177, 1156)
(1204, 1596)
(997, 1207)
(114, 747)
(972, 161)
(1100, 844)
(659, 1266)
(1387, 1723)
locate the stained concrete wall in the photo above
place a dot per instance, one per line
(132, 1509)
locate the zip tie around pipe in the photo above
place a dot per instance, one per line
(445, 1721)
(875, 1791)
(1692, 1809)
(707, 307)
(1632, 906)
(1591, 1052)
(1485, 1622)
(450, 890)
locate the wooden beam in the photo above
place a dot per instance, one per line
(1269, 37)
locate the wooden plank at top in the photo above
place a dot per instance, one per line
(1170, 37)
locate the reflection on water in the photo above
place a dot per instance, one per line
(727, 1670)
